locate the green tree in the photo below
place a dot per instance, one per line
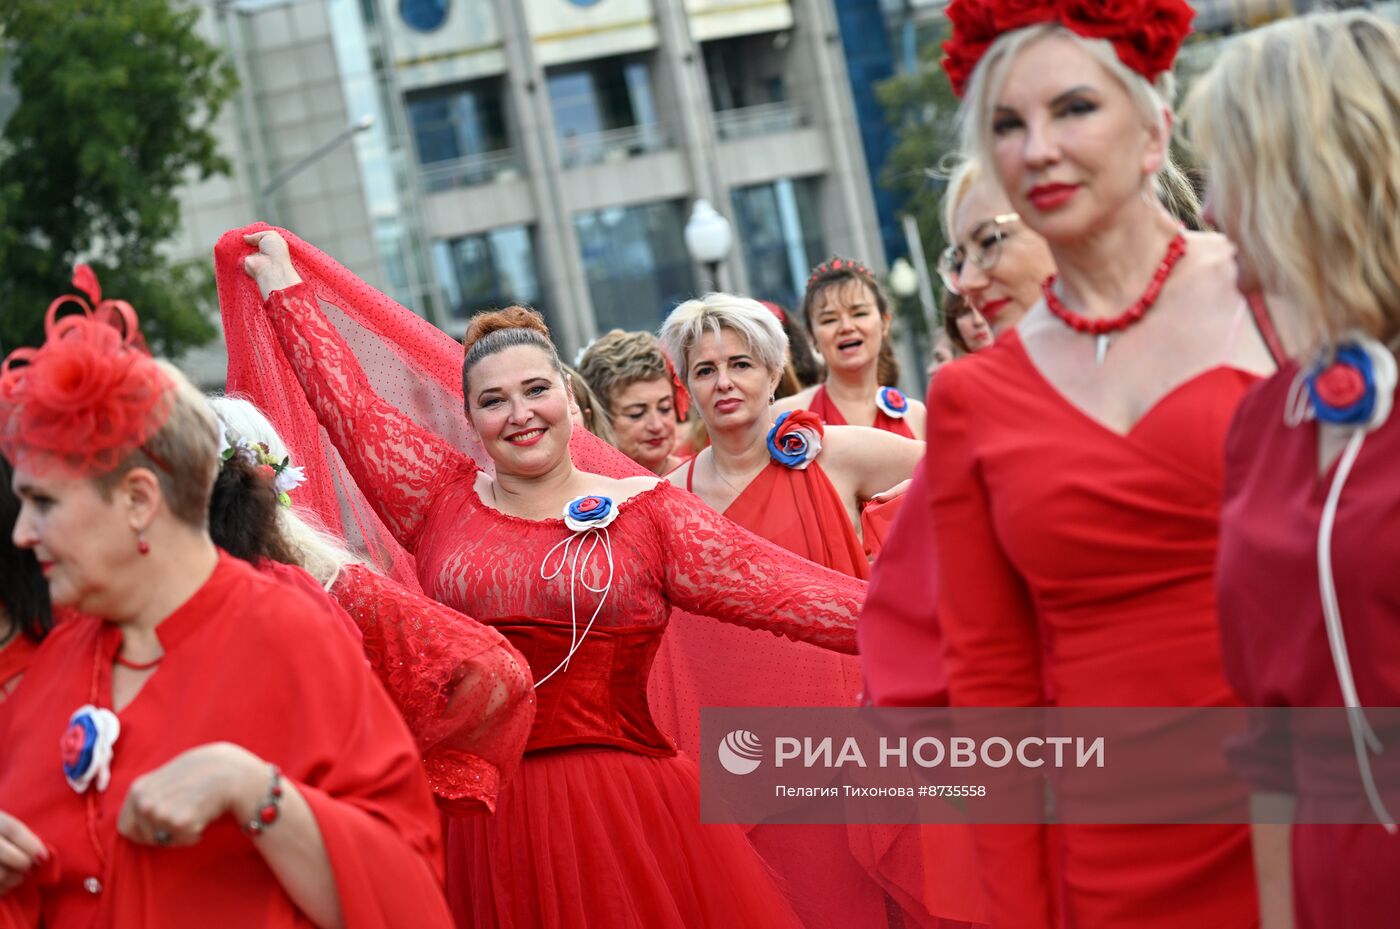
(923, 109)
(116, 101)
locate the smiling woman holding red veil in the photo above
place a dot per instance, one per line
(1075, 467)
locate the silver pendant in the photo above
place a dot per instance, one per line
(1101, 347)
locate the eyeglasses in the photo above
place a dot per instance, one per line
(983, 250)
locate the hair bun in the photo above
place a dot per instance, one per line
(512, 317)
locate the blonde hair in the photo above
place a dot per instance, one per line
(183, 454)
(320, 553)
(1299, 123)
(620, 359)
(1152, 101)
(758, 327)
(967, 173)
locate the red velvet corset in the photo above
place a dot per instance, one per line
(601, 698)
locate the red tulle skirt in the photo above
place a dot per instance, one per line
(606, 839)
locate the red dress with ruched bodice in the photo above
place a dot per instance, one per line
(830, 413)
(1077, 565)
(600, 826)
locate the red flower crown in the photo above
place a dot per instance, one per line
(89, 396)
(1146, 34)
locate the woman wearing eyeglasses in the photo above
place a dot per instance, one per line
(994, 261)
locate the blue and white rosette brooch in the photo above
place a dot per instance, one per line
(86, 747)
(796, 439)
(1351, 385)
(588, 519)
(892, 402)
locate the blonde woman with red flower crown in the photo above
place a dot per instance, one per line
(1074, 468)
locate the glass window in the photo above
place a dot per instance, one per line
(489, 270)
(596, 104)
(636, 263)
(457, 122)
(780, 232)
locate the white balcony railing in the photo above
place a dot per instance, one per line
(759, 120)
(613, 145)
(486, 168)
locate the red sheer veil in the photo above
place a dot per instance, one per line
(417, 367)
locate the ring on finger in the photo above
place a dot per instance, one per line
(162, 836)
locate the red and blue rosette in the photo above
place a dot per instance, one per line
(593, 511)
(86, 747)
(892, 402)
(795, 439)
(1356, 387)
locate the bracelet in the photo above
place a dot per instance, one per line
(270, 809)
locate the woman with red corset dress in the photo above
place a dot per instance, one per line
(1308, 548)
(599, 827)
(463, 690)
(213, 751)
(848, 318)
(1074, 468)
(25, 614)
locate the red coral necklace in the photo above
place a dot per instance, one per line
(1103, 329)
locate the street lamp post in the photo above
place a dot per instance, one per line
(363, 124)
(708, 238)
(904, 280)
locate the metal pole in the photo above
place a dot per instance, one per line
(916, 257)
(321, 151)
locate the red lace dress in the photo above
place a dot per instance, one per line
(600, 826)
(1078, 564)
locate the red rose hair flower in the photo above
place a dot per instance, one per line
(89, 396)
(1145, 34)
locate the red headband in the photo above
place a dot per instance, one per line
(836, 266)
(89, 396)
(1145, 33)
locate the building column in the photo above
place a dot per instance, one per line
(680, 55)
(557, 250)
(816, 29)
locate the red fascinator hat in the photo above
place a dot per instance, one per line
(89, 396)
(1146, 34)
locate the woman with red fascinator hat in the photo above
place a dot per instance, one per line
(1074, 470)
(169, 761)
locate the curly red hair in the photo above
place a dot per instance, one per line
(89, 396)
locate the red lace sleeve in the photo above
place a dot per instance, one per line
(713, 567)
(465, 693)
(395, 462)
(992, 644)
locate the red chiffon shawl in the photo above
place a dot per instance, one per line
(802, 512)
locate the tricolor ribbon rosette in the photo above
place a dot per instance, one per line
(1356, 387)
(795, 439)
(892, 402)
(86, 747)
(591, 512)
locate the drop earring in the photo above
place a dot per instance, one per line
(142, 545)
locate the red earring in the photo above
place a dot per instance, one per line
(143, 546)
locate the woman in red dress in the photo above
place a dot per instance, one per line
(994, 262)
(599, 827)
(796, 483)
(849, 319)
(1074, 468)
(25, 615)
(1310, 106)
(464, 691)
(214, 751)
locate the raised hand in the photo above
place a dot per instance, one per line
(271, 265)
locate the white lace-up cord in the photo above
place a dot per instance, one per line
(594, 538)
(1298, 408)
(1363, 737)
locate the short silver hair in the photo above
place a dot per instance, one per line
(714, 312)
